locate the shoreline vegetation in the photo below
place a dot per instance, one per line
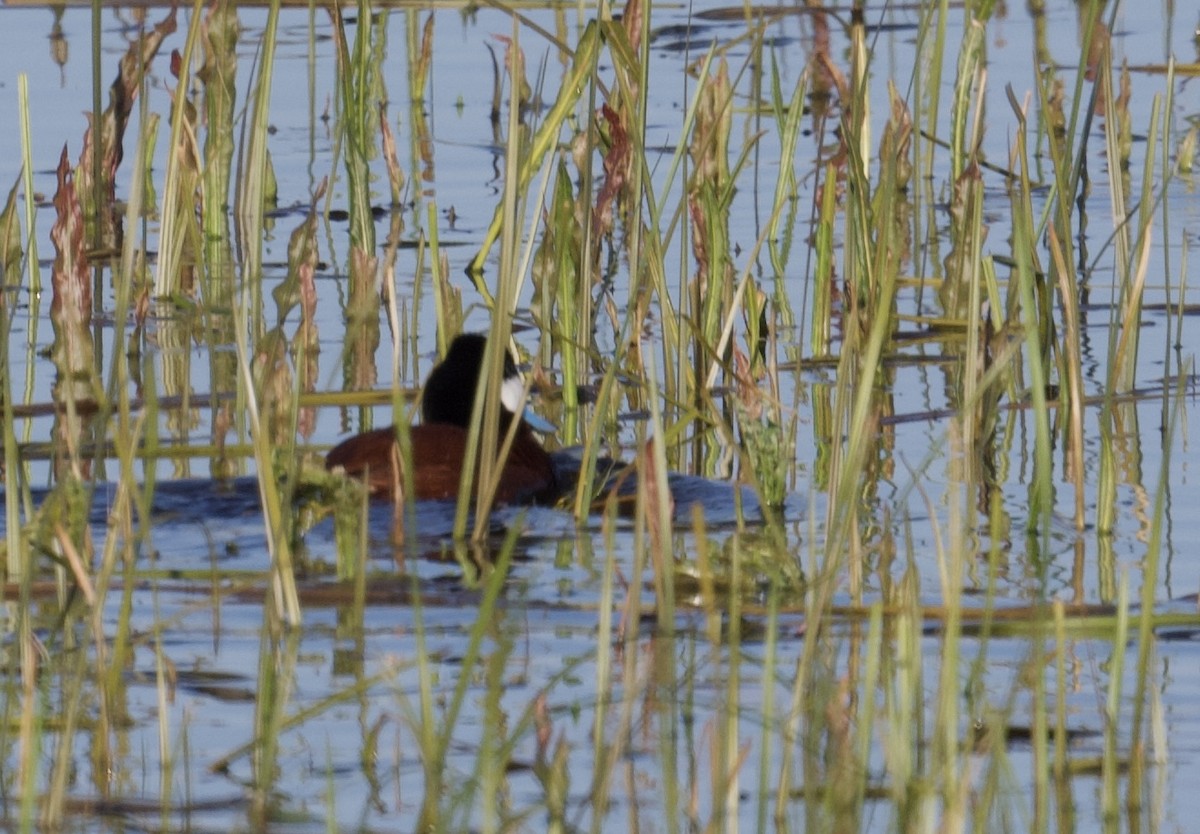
(815, 248)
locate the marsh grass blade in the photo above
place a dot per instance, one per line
(276, 507)
(182, 178)
(545, 138)
(254, 175)
(893, 709)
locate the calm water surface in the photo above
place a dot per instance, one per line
(356, 761)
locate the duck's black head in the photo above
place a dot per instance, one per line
(450, 389)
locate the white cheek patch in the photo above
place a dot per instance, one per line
(512, 393)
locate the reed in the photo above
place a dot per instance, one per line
(218, 274)
(117, 407)
(433, 736)
(254, 175)
(483, 434)
(13, 468)
(895, 687)
(277, 515)
(222, 33)
(21, 709)
(1144, 676)
(546, 136)
(1041, 499)
(179, 231)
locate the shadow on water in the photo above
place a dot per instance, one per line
(198, 521)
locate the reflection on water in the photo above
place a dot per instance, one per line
(555, 693)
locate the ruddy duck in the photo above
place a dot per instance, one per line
(439, 443)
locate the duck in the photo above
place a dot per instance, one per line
(439, 442)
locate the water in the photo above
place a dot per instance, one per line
(192, 612)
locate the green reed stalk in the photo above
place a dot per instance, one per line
(1167, 174)
(869, 686)
(32, 263)
(484, 432)
(727, 760)
(150, 449)
(1123, 328)
(575, 281)
(72, 680)
(601, 765)
(1151, 583)
(31, 733)
(970, 65)
(543, 140)
(276, 512)
(655, 497)
(991, 731)
(248, 320)
(420, 57)
(13, 469)
(404, 515)
(1040, 734)
(359, 91)
(178, 203)
(420, 136)
(277, 656)
(1068, 162)
(495, 750)
(1111, 762)
(769, 716)
(1118, 181)
(485, 417)
(1062, 686)
(631, 702)
(1041, 498)
(128, 431)
(804, 713)
(1071, 394)
(432, 727)
(675, 655)
(163, 691)
(763, 449)
(821, 320)
(97, 160)
(869, 322)
(947, 753)
(563, 281)
(644, 245)
(780, 238)
(679, 379)
(222, 33)
(925, 91)
(250, 197)
(710, 196)
(18, 697)
(1123, 357)
(447, 299)
(903, 681)
(962, 291)
(218, 275)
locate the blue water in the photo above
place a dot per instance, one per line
(196, 599)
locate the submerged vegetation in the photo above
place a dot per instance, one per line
(752, 294)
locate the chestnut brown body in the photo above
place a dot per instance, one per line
(438, 453)
(439, 444)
